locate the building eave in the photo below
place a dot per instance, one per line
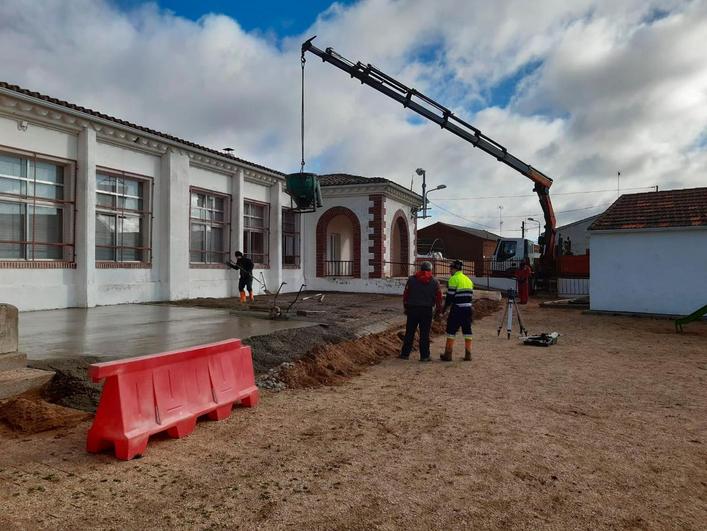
(46, 113)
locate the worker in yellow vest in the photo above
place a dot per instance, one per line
(460, 289)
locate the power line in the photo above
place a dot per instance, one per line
(534, 195)
(604, 205)
(458, 216)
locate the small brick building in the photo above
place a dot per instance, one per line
(457, 242)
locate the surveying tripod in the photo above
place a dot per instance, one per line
(508, 315)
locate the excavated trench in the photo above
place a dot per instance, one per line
(325, 354)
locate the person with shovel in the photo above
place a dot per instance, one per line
(245, 267)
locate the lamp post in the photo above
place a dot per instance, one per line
(536, 221)
(425, 192)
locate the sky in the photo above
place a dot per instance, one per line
(580, 90)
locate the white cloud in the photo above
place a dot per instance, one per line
(617, 85)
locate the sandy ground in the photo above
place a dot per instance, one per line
(606, 429)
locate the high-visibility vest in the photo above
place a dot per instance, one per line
(460, 289)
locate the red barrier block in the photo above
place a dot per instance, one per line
(167, 392)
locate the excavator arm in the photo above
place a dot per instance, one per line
(433, 111)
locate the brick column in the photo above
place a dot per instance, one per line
(376, 235)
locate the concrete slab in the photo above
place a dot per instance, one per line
(130, 330)
(17, 381)
(12, 360)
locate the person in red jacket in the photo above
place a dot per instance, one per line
(422, 297)
(523, 280)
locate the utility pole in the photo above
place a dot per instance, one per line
(500, 220)
(522, 229)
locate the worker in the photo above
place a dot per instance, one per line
(460, 290)
(422, 295)
(523, 275)
(245, 267)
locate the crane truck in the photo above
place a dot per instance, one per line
(428, 108)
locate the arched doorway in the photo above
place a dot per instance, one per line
(339, 244)
(400, 246)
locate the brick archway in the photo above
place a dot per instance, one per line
(400, 223)
(322, 225)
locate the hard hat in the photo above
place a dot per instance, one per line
(458, 264)
(426, 266)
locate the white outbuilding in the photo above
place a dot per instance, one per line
(649, 253)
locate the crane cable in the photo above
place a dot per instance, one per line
(303, 61)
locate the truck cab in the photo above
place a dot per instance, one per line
(510, 253)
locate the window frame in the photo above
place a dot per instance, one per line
(296, 234)
(225, 224)
(67, 205)
(265, 230)
(147, 214)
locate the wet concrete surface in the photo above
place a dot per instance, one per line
(128, 330)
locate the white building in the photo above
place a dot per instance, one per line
(577, 233)
(96, 211)
(649, 253)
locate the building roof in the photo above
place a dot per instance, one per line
(73, 106)
(648, 210)
(584, 220)
(479, 233)
(343, 179)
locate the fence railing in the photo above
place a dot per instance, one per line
(338, 268)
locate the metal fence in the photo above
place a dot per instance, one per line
(338, 268)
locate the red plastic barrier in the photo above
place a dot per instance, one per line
(167, 392)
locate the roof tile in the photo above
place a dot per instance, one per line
(670, 208)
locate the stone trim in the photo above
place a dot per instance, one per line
(123, 265)
(376, 239)
(29, 264)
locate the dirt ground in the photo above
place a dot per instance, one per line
(605, 430)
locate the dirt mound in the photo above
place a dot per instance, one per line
(271, 350)
(332, 364)
(70, 385)
(32, 415)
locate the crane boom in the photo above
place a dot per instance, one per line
(446, 119)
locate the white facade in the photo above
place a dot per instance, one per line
(106, 166)
(655, 271)
(84, 145)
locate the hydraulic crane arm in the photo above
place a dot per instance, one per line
(430, 109)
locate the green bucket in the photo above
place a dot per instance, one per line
(304, 190)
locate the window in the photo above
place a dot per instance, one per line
(506, 250)
(122, 219)
(256, 223)
(290, 239)
(35, 210)
(208, 242)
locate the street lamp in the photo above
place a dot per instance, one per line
(536, 221)
(422, 172)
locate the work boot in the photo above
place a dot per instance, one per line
(467, 349)
(251, 297)
(243, 297)
(448, 348)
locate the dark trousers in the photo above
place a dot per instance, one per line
(244, 283)
(459, 318)
(418, 316)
